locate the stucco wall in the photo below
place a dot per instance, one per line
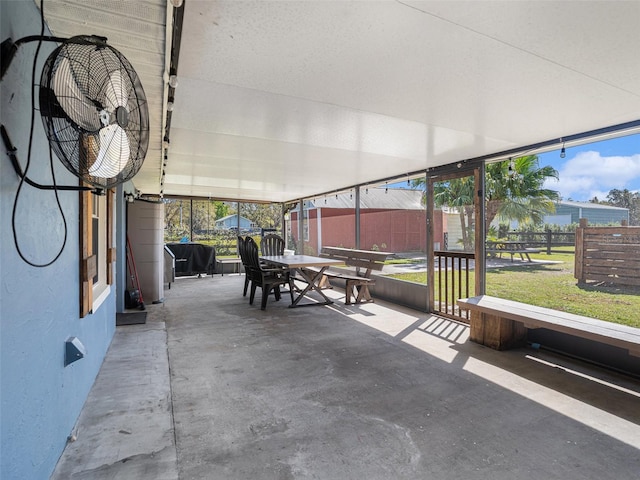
(40, 399)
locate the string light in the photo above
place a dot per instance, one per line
(513, 173)
(563, 152)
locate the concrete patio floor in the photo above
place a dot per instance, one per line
(212, 388)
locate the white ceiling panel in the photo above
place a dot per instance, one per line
(137, 30)
(282, 100)
(590, 38)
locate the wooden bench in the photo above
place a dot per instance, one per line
(502, 324)
(357, 282)
(236, 262)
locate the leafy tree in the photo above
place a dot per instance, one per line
(177, 213)
(263, 215)
(204, 217)
(626, 199)
(621, 198)
(221, 209)
(178, 217)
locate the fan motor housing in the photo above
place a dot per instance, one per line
(122, 117)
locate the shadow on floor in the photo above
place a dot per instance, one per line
(374, 391)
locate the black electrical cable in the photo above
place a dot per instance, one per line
(26, 169)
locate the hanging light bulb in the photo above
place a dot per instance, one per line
(563, 152)
(173, 81)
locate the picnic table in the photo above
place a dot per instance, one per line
(511, 247)
(300, 264)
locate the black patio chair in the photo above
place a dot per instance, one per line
(272, 244)
(264, 277)
(243, 258)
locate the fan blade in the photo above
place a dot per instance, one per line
(73, 101)
(113, 154)
(115, 91)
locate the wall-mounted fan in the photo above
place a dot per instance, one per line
(94, 110)
(94, 113)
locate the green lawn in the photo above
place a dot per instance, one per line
(554, 286)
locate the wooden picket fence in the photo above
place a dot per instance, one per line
(608, 254)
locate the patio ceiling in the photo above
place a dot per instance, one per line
(283, 100)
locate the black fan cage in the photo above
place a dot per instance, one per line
(94, 111)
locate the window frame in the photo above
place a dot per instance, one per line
(95, 264)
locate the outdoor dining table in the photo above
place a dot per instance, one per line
(512, 247)
(300, 264)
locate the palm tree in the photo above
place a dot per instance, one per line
(515, 193)
(458, 193)
(518, 193)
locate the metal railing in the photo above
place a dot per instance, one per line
(452, 282)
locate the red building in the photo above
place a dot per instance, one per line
(392, 220)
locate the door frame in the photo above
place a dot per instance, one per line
(444, 174)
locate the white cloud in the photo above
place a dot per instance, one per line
(589, 174)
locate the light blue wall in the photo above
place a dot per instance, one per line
(594, 215)
(40, 399)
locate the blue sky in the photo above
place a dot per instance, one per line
(596, 168)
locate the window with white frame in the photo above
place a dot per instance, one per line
(96, 249)
(99, 249)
